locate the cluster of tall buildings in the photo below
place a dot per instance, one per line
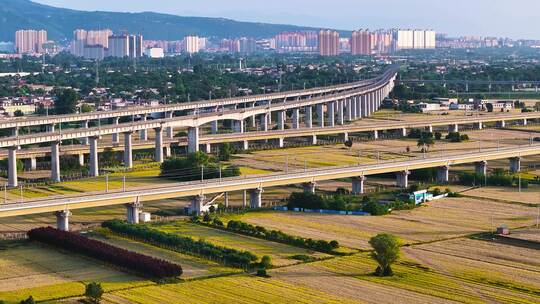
(242, 45)
(296, 41)
(414, 39)
(30, 41)
(98, 44)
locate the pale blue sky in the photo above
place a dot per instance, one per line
(508, 18)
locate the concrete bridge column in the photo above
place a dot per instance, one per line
(309, 187)
(478, 125)
(143, 134)
(214, 127)
(133, 211)
(320, 114)
(168, 151)
(81, 159)
(524, 121)
(253, 118)
(115, 136)
(453, 128)
(363, 105)
(331, 113)
(245, 145)
(30, 164)
(207, 148)
(12, 167)
(226, 199)
(442, 175)
(128, 150)
(15, 132)
(238, 126)
(94, 160)
(159, 145)
(402, 179)
(296, 118)
(515, 164)
(403, 132)
(348, 110)
(374, 102)
(358, 185)
(308, 116)
(358, 101)
(85, 125)
(55, 161)
(270, 112)
(367, 105)
(313, 139)
(281, 142)
(193, 139)
(281, 116)
(501, 124)
(376, 134)
(264, 121)
(62, 220)
(353, 109)
(430, 129)
(255, 198)
(49, 128)
(197, 203)
(340, 112)
(481, 167)
(169, 130)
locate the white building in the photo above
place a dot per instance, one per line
(192, 44)
(154, 53)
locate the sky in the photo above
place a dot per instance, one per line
(500, 18)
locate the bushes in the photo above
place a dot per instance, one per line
(93, 292)
(231, 257)
(280, 237)
(457, 137)
(497, 178)
(142, 264)
(340, 201)
(374, 208)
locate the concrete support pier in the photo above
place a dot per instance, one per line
(193, 139)
(170, 130)
(55, 161)
(515, 164)
(480, 167)
(255, 198)
(94, 160)
(340, 112)
(12, 167)
(133, 211)
(143, 134)
(128, 150)
(309, 187)
(308, 116)
(281, 116)
(85, 125)
(197, 203)
(331, 113)
(402, 179)
(264, 121)
(453, 128)
(442, 175)
(115, 136)
(159, 145)
(320, 114)
(296, 118)
(30, 164)
(478, 125)
(214, 127)
(358, 185)
(62, 220)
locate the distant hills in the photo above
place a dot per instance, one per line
(60, 23)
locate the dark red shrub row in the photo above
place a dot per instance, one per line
(132, 261)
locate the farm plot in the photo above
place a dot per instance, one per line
(280, 253)
(442, 219)
(192, 267)
(45, 273)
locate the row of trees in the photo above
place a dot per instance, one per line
(183, 244)
(497, 178)
(132, 261)
(277, 236)
(338, 201)
(196, 166)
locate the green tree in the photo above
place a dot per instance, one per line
(18, 113)
(266, 262)
(86, 108)
(225, 152)
(94, 292)
(66, 102)
(425, 142)
(386, 252)
(29, 300)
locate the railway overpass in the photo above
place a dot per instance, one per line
(133, 198)
(331, 109)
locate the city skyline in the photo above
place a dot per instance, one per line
(481, 18)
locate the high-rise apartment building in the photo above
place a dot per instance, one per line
(414, 39)
(361, 42)
(192, 44)
(125, 46)
(89, 39)
(30, 41)
(328, 43)
(381, 42)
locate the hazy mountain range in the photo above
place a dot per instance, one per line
(60, 23)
